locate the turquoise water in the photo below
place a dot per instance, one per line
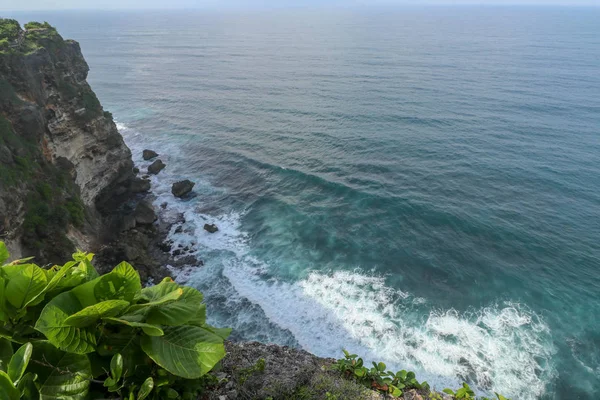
(420, 185)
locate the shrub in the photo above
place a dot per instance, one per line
(351, 366)
(38, 25)
(377, 377)
(9, 29)
(67, 332)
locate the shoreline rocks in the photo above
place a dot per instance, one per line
(149, 154)
(156, 167)
(144, 213)
(182, 188)
(140, 185)
(211, 228)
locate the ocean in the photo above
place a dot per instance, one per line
(418, 185)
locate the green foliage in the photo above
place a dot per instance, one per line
(377, 377)
(38, 25)
(9, 29)
(245, 373)
(53, 200)
(75, 210)
(83, 335)
(464, 392)
(36, 35)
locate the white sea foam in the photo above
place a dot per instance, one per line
(504, 348)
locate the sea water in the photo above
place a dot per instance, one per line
(420, 186)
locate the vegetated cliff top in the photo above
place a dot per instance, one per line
(36, 35)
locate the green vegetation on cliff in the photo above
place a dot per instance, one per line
(34, 86)
(36, 35)
(53, 200)
(68, 332)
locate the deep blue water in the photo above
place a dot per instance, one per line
(418, 185)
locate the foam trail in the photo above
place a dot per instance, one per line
(500, 348)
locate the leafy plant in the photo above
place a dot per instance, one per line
(246, 373)
(377, 377)
(82, 333)
(395, 384)
(464, 392)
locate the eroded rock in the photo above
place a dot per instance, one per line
(149, 154)
(140, 185)
(212, 228)
(144, 213)
(182, 188)
(156, 167)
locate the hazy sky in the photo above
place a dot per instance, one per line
(146, 4)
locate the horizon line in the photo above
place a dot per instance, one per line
(308, 7)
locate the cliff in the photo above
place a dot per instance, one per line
(63, 164)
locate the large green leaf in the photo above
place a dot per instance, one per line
(3, 253)
(52, 323)
(7, 390)
(85, 265)
(158, 292)
(19, 361)
(54, 277)
(186, 351)
(149, 329)
(61, 375)
(223, 333)
(25, 285)
(92, 314)
(146, 388)
(27, 387)
(178, 312)
(127, 343)
(6, 353)
(123, 283)
(3, 314)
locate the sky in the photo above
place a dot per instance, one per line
(16, 5)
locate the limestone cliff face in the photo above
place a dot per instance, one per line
(63, 164)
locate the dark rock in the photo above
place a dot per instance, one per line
(212, 228)
(146, 176)
(140, 185)
(180, 189)
(165, 247)
(285, 371)
(164, 205)
(144, 213)
(65, 164)
(128, 223)
(149, 154)
(156, 167)
(177, 252)
(179, 229)
(187, 260)
(136, 170)
(5, 155)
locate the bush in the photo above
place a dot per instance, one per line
(38, 25)
(68, 332)
(394, 384)
(9, 29)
